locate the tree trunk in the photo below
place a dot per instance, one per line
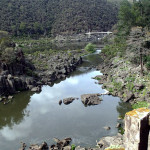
(141, 61)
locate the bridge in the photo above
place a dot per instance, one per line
(95, 33)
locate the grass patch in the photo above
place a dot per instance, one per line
(140, 104)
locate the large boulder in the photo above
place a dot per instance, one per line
(91, 99)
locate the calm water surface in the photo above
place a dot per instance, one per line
(34, 118)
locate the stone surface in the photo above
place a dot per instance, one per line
(67, 148)
(136, 129)
(108, 141)
(107, 128)
(80, 148)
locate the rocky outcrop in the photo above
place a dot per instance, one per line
(91, 99)
(11, 84)
(14, 75)
(122, 76)
(107, 141)
(22, 75)
(55, 67)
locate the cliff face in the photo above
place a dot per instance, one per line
(14, 67)
(18, 73)
(13, 75)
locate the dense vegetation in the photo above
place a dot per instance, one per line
(45, 17)
(136, 14)
(90, 48)
(130, 15)
(127, 54)
(7, 48)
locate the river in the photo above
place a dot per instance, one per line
(34, 118)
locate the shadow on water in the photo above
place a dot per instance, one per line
(14, 112)
(122, 108)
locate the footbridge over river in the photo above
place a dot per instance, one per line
(97, 34)
(91, 36)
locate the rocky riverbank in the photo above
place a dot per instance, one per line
(65, 144)
(122, 76)
(50, 67)
(33, 71)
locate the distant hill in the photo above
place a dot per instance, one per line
(45, 17)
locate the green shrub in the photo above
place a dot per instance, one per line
(8, 55)
(90, 48)
(130, 86)
(130, 79)
(73, 147)
(111, 90)
(121, 130)
(117, 85)
(117, 48)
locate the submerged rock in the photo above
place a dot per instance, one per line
(36, 89)
(107, 128)
(23, 146)
(91, 99)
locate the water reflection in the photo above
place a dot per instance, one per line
(13, 113)
(41, 118)
(123, 107)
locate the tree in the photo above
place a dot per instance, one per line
(126, 16)
(23, 27)
(90, 48)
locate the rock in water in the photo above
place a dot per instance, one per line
(60, 102)
(107, 128)
(69, 100)
(91, 99)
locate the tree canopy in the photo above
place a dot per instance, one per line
(45, 17)
(134, 14)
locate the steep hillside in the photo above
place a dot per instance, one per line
(26, 17)
(126, 66)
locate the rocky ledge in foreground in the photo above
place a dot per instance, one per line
(60, 145)
(65, 144)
